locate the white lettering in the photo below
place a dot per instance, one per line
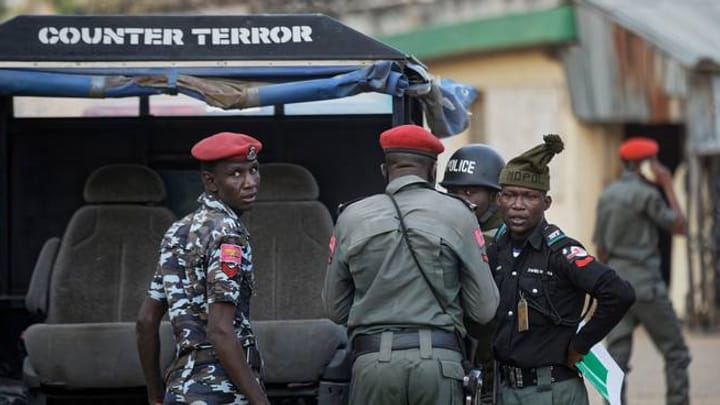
(260, 34)
(113, 36)
(69, 35)
(94, 39)
(201, 33)
(153, 36)
(462, 166)
(134, 35)
(173, 36)
(221, 36)
(43, 35)
(244, 35)
(277, 38)
(302, 33)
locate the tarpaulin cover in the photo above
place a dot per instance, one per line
(445, 102)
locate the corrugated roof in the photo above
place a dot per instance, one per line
(688, 30)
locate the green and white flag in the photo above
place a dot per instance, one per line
(604, 374)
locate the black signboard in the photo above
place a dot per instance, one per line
(186, 38)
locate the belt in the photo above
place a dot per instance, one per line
(200, 355)
(517, 377)
(364, 344)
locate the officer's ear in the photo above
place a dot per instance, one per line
(383, 170)
(548, 202)
(208, 180)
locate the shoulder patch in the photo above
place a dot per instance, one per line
(553, 235)
(577, 255)
(230, 259)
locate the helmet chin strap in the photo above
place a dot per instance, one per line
(492, 209)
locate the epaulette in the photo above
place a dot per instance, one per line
(341, 207)
(467, 203)
(553, 236)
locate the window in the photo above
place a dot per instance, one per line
(54, 107)
(364, 103)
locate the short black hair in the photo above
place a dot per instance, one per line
(209, 166)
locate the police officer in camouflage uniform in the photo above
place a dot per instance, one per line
(629, 215)
(472, 173)
(543, 277)
(405, 268)
(205, 279)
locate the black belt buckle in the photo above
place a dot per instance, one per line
(517, 374)
(514, 376)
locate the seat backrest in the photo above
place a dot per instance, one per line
(289, 232)
(109, 250)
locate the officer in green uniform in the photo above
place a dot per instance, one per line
(472, 173)
(405, 268)
(543, 277)
(629, 215)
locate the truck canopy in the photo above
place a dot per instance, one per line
(230, 62)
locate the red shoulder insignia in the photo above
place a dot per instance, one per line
(230, 259)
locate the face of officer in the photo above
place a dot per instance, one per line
(234, 183)
(481, 197)
(522, 209)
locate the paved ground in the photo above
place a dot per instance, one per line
(647, 379)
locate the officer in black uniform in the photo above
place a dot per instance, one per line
(543, 277)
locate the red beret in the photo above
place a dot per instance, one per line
(638, 148)
(227, 145)
(411, 139)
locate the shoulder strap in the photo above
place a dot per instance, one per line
(403, 229)
(500, 232)
(553, 237)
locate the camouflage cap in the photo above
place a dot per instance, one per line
(530, 168)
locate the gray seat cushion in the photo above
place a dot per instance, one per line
(298, 351)
(89, 355)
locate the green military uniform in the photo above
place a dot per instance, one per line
(374, 286)
(629, 213)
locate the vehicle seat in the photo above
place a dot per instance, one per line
(289, 233)
(97, 280)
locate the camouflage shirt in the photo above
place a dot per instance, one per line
(205, 257)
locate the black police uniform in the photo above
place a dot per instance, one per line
(552, 272)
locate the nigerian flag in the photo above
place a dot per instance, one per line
(604, 374)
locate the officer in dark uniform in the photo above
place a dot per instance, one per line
(406, 268)
(205, 279)
(543, 277)
(630, 214)
(472, 173)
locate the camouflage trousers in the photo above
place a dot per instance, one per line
(202, 384)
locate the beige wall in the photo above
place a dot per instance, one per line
(524, 95)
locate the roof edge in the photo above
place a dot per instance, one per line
(543, 27)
